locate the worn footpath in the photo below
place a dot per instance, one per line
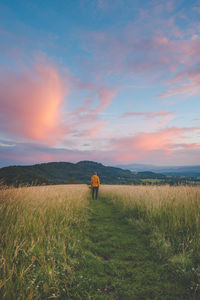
(118, 263)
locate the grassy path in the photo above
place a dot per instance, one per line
(117, 262)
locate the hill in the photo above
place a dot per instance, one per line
(65, 172)
(81, 172)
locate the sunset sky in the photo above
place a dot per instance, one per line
(115, 82)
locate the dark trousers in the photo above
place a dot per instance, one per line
(95, 191)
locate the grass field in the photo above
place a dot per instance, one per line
(41, 232)
(172, 214)
(173, 211)
(134, 242)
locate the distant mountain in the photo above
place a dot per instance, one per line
(188, 171)
(65, 172)
(138, 167)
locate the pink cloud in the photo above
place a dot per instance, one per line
(106, 95)
(136, 147)
(86, 120)
(163, 145)
(95, 129)
(132, 51)
(147, 115)
(163, 116)
(153, 44)
(31, 103)
(169, 145)
(186, 82)
(192, 146)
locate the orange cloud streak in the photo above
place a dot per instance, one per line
(31, 103)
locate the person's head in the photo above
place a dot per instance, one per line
(95, 173)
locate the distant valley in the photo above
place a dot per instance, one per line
(188, 171)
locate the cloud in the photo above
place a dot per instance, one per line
(34, 108)
(147, 115)
(152, 141)
(130, 50)
(184, 83)
(166, 146)
(31, 102)
(162, 143)
(163, 116)
(94, 130)
(29, 153)
(191, 146)
(152, 47)
(196, 119)
(103, 92)
(106, 95)
(87, 120)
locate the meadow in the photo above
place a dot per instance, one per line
(41, 231)
(172, 211)
(56, 243)
(172, 215)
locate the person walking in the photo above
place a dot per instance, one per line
(95, 182)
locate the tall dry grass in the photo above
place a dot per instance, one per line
(171, 218)
(40, 232)
(172, 211)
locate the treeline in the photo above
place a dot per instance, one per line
(64, 172)
(81, 172)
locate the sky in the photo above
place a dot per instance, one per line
(116, 82)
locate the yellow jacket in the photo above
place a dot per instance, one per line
(95, 182)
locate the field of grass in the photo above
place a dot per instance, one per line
(41, 232)
(172, 214)
(134, 242)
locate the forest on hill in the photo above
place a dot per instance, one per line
(81, 172)
(65, 172)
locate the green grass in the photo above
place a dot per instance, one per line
(57, 244)
(172, 215)
(118, 263)
(152, 180)
(41, 234)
